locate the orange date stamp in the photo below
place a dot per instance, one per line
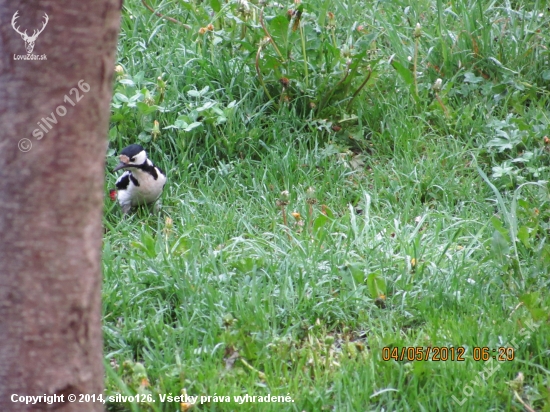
(444, 353)
(420, 353)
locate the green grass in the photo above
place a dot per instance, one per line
(427, 224)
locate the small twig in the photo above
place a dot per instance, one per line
(415, 64)
(285, 220)
(305, 55)
(332, 27)
(311, 200)
(436, 88)
(359, 89)
(516, 308)
(162, 16)
(529, 409)
(442, 105)
(259, 73)
(310, 218)
(282, 203)
(417, 34)
(261, 375)
(269, 35)
(325, 100)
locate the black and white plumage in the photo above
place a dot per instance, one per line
(142, 183)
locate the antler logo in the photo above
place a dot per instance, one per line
(29, 40)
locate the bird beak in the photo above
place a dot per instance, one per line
(121, 165)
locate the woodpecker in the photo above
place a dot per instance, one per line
(142, 183)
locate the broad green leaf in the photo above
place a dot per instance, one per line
(216, 5)
(523, 236)
(405, 73)
(206, 106)
(270, 62)
(121, 97)
(144, 137)
(127, 82)
(144, 108)
(192, 126)
(524, 204)
(328, 212)
(539, 314)
(530, 299)
(149, 243)
(376, 285)
(407, 76)
(469, 77)
(357, 272)
(112, 133)
(499, 245)
(319, 222)
(180, 246)
(278, 28)
(497, 224)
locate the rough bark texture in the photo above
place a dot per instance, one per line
(51, 199)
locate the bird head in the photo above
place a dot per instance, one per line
(131, 156)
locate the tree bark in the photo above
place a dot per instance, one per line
(51, 199)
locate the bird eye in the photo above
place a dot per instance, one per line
(132, 159)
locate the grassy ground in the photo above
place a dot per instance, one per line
(416, 216)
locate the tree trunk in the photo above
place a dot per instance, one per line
(51, 199)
